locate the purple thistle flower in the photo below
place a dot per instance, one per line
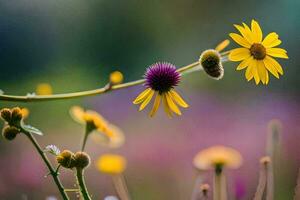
(162, 77)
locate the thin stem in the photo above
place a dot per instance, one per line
(86, 134)
(220, 191)
(262, 182)
(121, 187)
(83, 189)
(196, 189)
(48, 164)
(32, 98)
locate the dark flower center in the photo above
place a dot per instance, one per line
(258, 51)
(162, 77)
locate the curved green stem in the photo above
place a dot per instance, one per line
(86, 134)
(83, 189)
(53, 172)
(31, 98)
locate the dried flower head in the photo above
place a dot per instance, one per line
(161, 78)
(82, 160)
(10, 132)
(16, 114)
(111, 164)
(116, 77)
(6, 114)
(44, 89)
(256, 54)
(210, 60)
(216, 157)
(66, 159)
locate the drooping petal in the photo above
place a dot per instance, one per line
(244, 63)
(142, 96)
(271, 40)
(271, 68)
(274, 63)
(267, 76)
(261, 71)
(178, 99)
(240, 40)
(222, 45)
(155, 105)
(256, 31)
(166, 106)
(239, 54)
(277, 52)
(77, 113)
(249, 74)
(147, 100)
(172, 105)
(254, 70)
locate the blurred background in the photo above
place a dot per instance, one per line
(74, 45)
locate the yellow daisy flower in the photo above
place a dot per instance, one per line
(110, 135)
(256, 53)
(216, 156)
(161, 78)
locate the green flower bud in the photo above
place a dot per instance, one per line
(66, 159)
(6, 114)
(10, 132)
(82, 160)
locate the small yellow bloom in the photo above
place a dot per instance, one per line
(256, 53)
(89, 117)
(217, 156)
(110, 135)
(116, 77)
(43, 89)
(111, 164)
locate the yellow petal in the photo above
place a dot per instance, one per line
(147, 100)
(166, 106)
(177, 98)
(274, 63)
(240, 40)
(249, 74)
(142, 96)
(277, 52)
(271, 68)
(77, 113)
(222, 45)
(155, 105)
(271, 40)
(244, 33)
(261, 71)
(172, 105)
(256, 31)
(239, 54)
(244, 63)
(267, 76)
(253, 65)
(249, 34)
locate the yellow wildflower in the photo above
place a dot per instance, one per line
(256, 53)
(216, 156)
(111, 164)
(44, 89)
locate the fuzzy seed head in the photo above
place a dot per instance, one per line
(10, 132)
(82, 160)
(66, 159)
(211, 62)
(6, 114)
